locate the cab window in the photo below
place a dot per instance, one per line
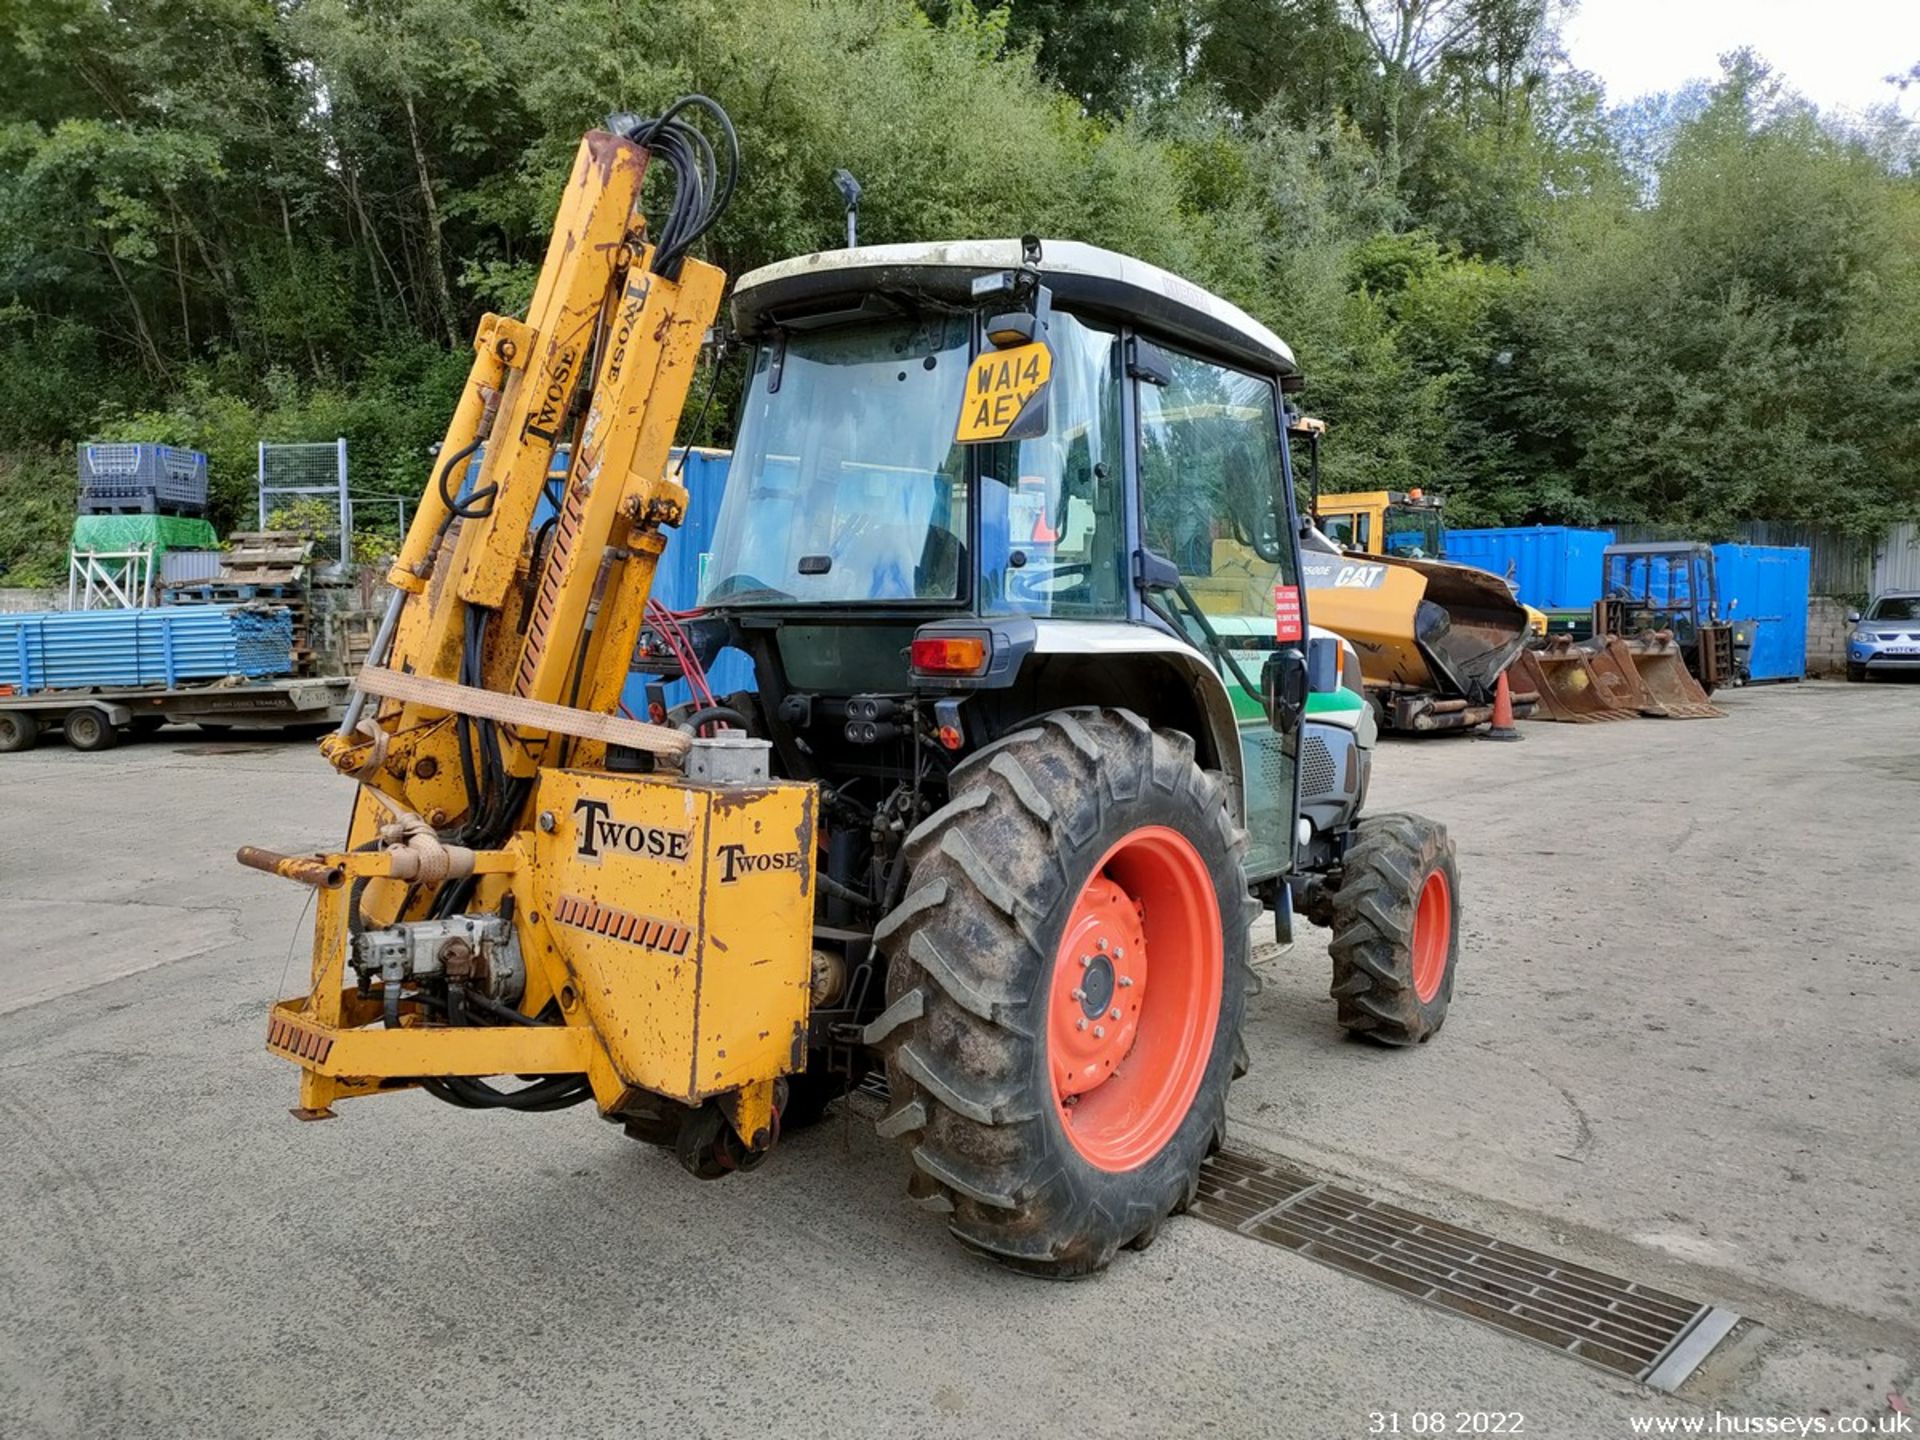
(1052, 511)
(1348, 531)
(1210, 472)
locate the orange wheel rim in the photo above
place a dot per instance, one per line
(1432, 936)
(1134, 1000)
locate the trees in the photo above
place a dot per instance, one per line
(223, 219)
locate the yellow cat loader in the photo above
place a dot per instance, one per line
(1433, 638)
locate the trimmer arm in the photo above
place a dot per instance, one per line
(506, 904)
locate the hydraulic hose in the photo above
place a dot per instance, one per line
(700, 190)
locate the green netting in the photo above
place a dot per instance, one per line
(126, 532)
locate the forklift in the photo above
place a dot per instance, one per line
(1041, 727)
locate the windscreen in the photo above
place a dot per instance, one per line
(846, 486)
(1895, 607)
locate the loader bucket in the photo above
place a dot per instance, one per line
(1619, 678)
(1662, 667)
(1569, 687)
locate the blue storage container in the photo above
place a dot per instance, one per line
(1554, 567)
(169, 645)
(676, 581)
(1766, 586)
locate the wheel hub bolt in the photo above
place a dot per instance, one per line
(1125, 981)
(1080, 1025)
(1114, 1014)
(1079, 993)
(1085, 960)
(1099, 1031)
(1101, 943)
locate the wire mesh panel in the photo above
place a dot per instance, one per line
(304, 487)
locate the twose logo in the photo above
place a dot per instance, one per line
(600, 832)
(735, 861)
(544, 419)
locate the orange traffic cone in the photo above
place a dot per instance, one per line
(1502, 726)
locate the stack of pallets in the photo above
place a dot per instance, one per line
(268, 567)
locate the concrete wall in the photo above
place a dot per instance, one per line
(15, 599)
(1827, 630)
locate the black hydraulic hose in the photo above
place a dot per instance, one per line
(473, 509)
(700, 191)
(708, 714)
(845, 892)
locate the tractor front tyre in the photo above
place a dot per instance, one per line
(1067, 976)
(1396, 930)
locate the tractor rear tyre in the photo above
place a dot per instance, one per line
(1396, 930)
(1067, 975)
(90, 729)
(18, 731)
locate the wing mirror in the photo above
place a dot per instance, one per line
(1284, 687)
(1292, 674)
(1853, 617)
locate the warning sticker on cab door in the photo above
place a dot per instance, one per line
(1287, 625)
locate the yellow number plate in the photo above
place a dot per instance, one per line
(1006, 395)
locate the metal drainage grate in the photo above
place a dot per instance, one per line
(1651, 1335)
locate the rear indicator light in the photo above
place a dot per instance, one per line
(949, 655)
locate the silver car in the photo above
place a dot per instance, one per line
(1886, 640)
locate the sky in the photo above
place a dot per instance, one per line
(1834, 52)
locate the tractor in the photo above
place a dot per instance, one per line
(1040, 729)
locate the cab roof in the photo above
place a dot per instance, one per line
(832, 286)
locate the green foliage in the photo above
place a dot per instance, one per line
(232, 221)
(37, 493)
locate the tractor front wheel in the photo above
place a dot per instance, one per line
(1067, 975)
(1396, 930)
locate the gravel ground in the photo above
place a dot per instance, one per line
(1682, 1050)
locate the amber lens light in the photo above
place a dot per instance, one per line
(949, 654)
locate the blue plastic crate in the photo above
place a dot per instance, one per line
(124, 476)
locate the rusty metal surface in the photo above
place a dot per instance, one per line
(1570, 690)
(1662, 667)
(305, 869)
(1619, 678)
(1619, 1325)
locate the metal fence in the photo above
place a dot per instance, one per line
(318, 472)
(1896, 566)
(1840, 564)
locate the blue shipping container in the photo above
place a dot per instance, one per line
(1555, 567)
(676, 582)
(169, 645)
(1766, 586)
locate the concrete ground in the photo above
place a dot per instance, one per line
(1682, 1050)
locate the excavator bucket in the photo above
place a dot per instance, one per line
(1571, 688)
(1661, 666)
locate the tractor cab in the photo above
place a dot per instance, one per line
(1384, 522)
(1012, 476)
(1666, 585)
